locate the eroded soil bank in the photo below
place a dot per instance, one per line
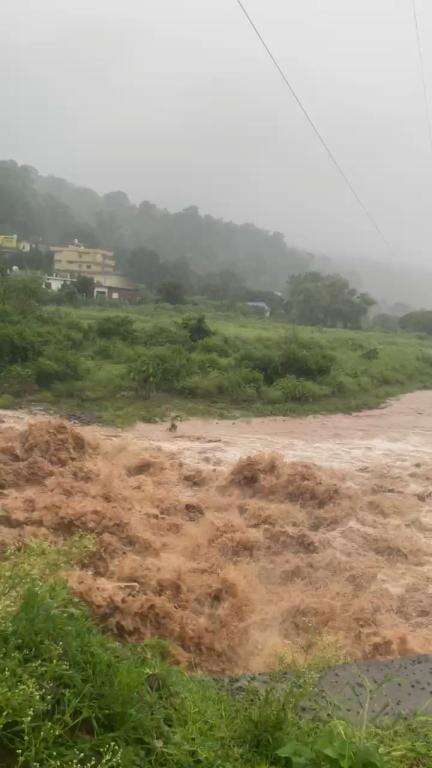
(238, 542)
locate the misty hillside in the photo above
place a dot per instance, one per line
(52, 210)
(55, 211)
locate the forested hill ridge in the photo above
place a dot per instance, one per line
(53, 210)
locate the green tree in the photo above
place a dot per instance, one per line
(386, 322)
(224, 284)
(144, 266)
(171, 292)
(417, 322)
(85, 285)
(67, 294)
(327, 300)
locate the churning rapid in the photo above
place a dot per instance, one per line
(237, 555)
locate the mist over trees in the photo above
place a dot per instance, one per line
(326, 300)
(211, 256)
(417, 322)
(144, 237)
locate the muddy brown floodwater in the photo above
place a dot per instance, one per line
(400, 432)
(239, 541)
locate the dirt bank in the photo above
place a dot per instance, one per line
(240, 542)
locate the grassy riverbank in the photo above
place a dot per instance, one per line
(153, 361)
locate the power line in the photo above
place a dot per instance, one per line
(314, 127)
(422, 70)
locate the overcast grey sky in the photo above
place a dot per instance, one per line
(175, 102)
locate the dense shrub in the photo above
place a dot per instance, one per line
(69, 338)
(196, 327)
(208, 386)
(115, 350)
(19, 344)
(387, 375)
(238, 385)
(306, 359)
(209, 362)
(370, 354)
(7, 401)
(425, 358)
(243, 384)
(219, 345)
(159, 335)
(22, 292)
(341, 383)
(59, 366)
(159, 369)
(298, 390)
(249, 364)
(116, 327)
(268, 362)
(18, 379)
(67, 295)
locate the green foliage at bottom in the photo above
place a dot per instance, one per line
(72, 697)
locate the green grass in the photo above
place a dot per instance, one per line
(76, 370)
(73, 697)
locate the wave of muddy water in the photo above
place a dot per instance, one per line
(240, 541)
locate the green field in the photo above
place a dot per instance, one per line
(120, 365)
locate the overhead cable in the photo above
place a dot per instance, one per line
(314, 126)
(422, 71)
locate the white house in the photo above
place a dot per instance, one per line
(260, 306)
(55, 282)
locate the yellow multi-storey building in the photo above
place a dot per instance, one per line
(78, 260)
(13, 243)
(9, 241)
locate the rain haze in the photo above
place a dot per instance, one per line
(177, 103)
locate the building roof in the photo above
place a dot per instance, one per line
(115, 281)
(71, 248)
